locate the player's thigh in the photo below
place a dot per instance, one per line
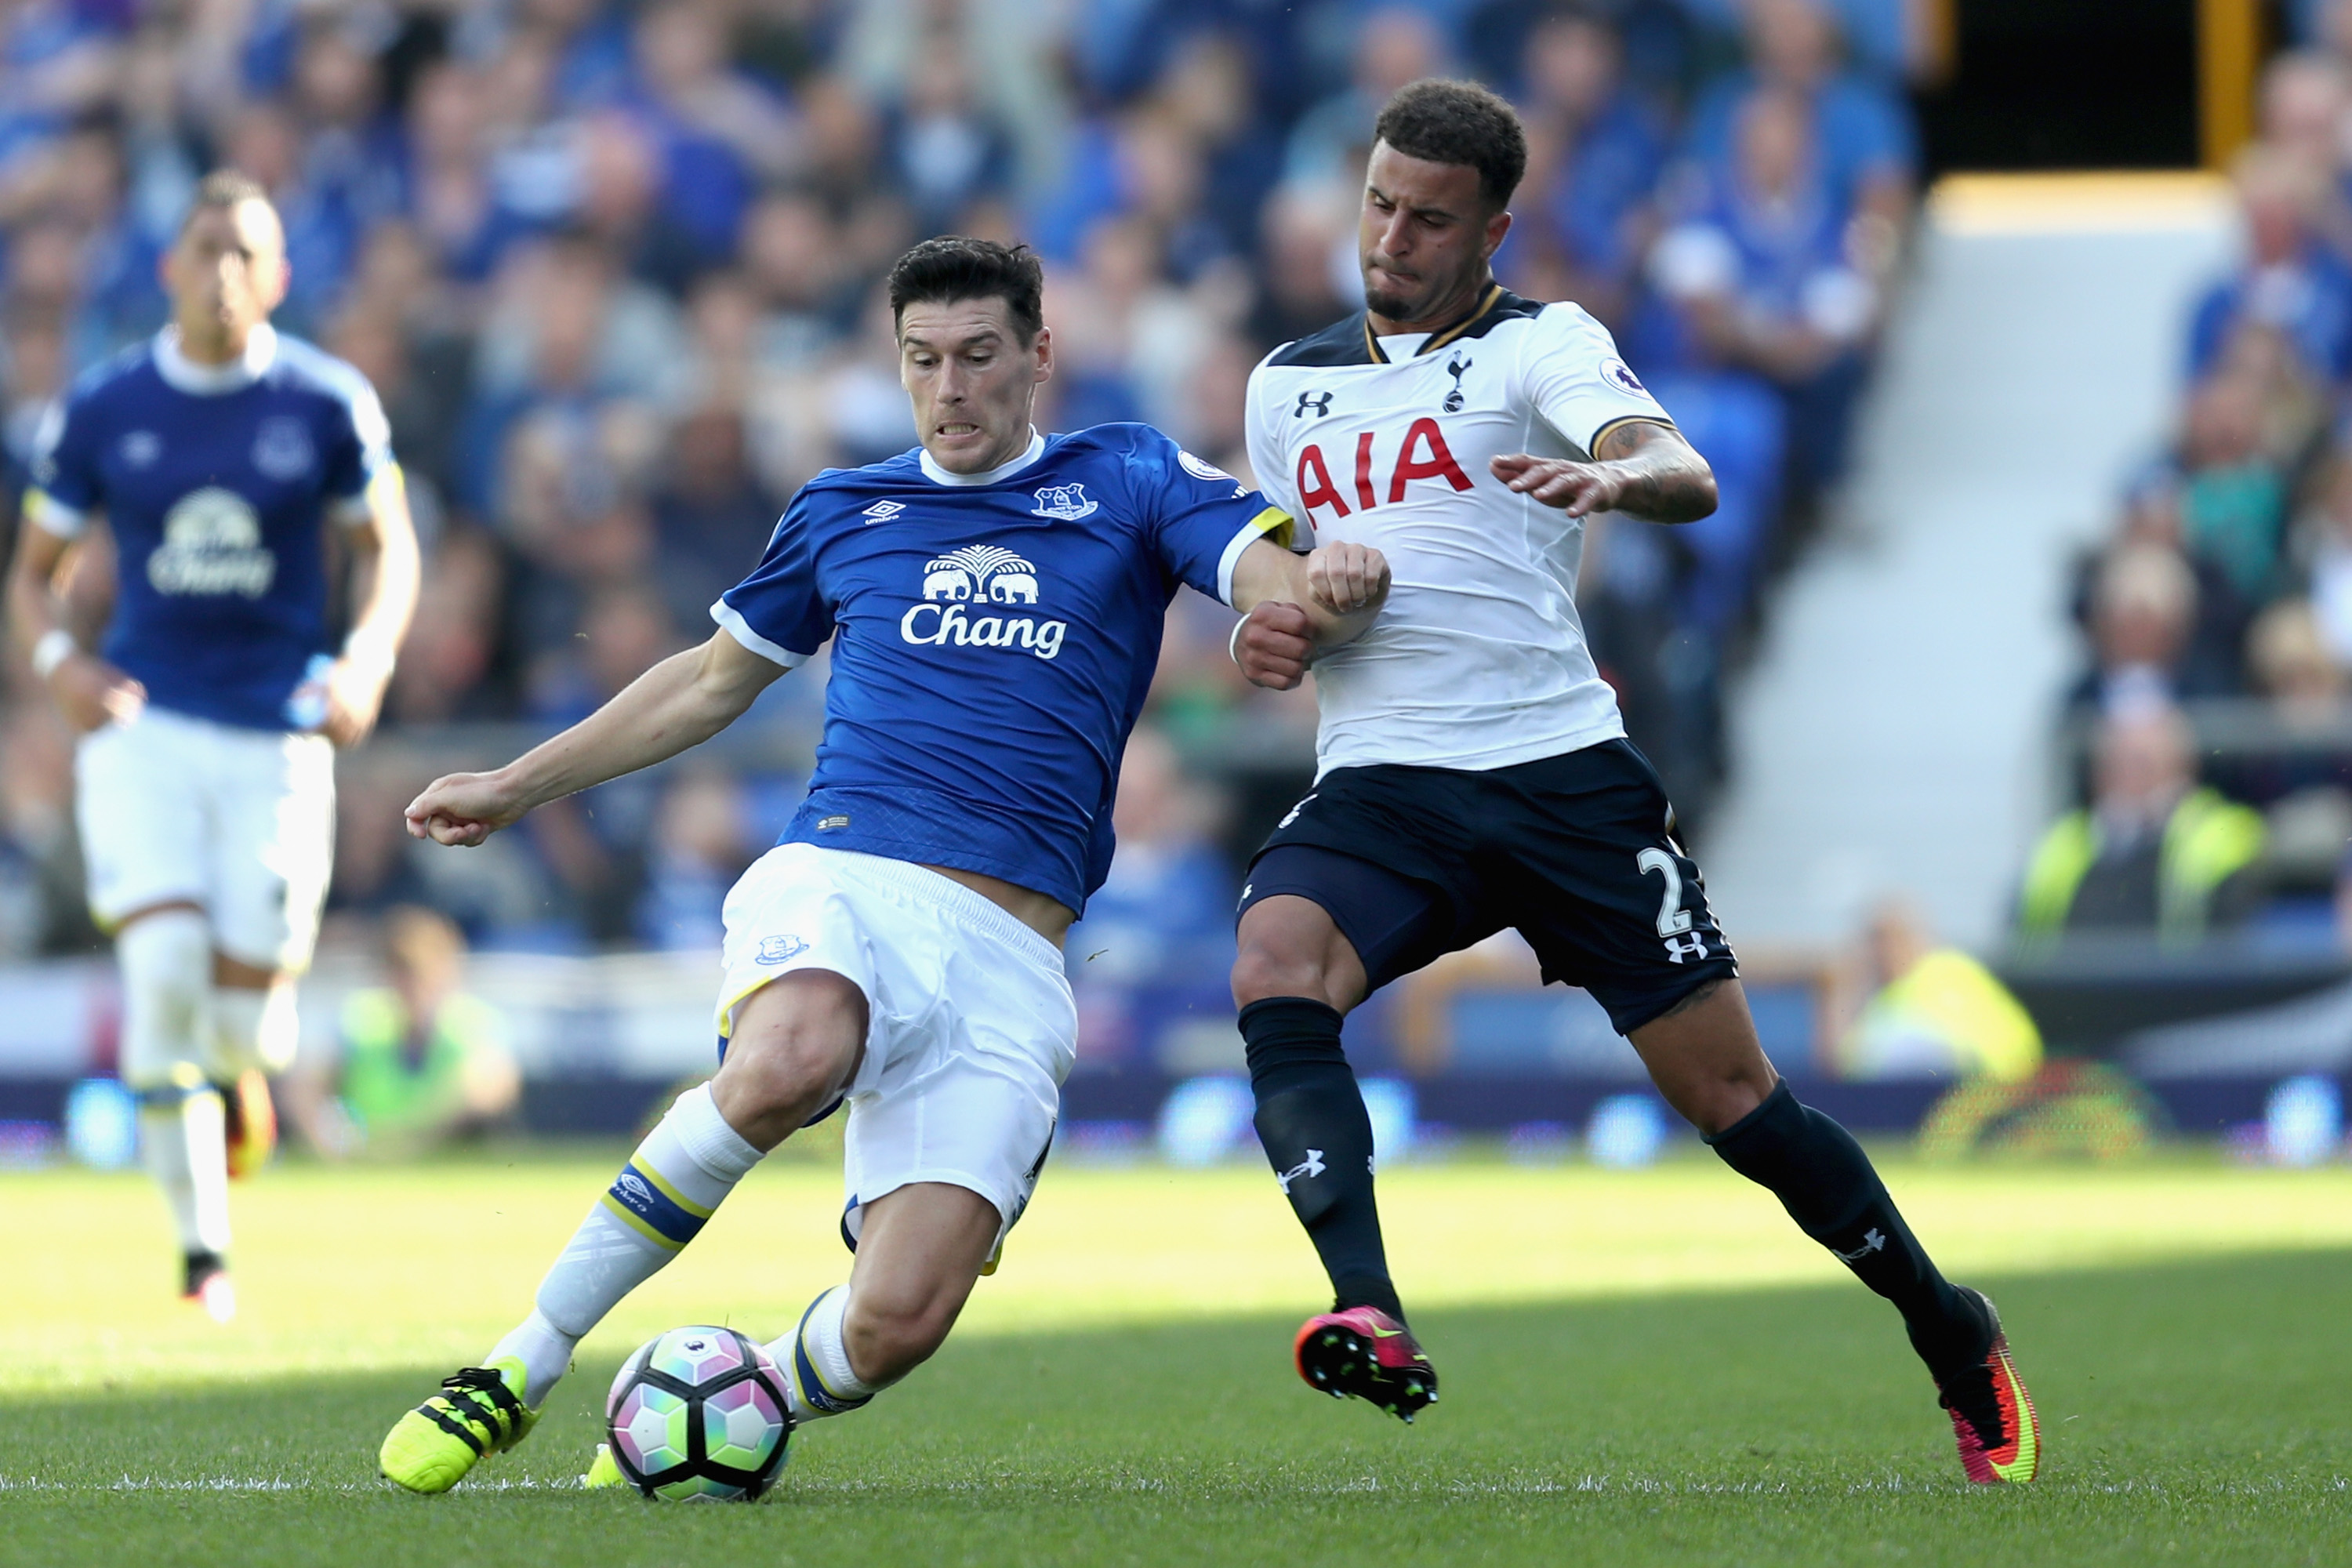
(982, 1123)
(271, 843)
(1336, 927)
(141, 816)
(1582, 853)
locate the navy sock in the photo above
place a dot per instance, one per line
(1828, 1185)
(1312, 1119)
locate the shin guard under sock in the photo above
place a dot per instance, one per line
(678, 1175)
(1312, 1119)
(1828, 1185)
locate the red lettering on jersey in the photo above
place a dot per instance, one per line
(1364, 470)
(1440, 463)
(1321, 491)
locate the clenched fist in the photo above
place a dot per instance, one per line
(464, 809)
(1276, 641)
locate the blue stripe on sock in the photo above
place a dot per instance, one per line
(642, 1198)
(812, 1388)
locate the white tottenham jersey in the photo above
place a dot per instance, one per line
(1478, 661)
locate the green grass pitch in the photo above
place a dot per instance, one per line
(1639, 1367)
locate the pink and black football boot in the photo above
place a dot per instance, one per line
(1364, 1352)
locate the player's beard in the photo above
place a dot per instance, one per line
(1416, 307)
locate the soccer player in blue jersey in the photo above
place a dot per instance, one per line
(995, 601)
(218, 455)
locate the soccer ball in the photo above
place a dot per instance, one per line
(699, 1415)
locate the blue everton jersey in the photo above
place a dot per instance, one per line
(215, 480)
(994, 636)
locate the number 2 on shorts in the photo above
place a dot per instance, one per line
(1673, 918)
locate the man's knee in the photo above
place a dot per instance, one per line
(1704, 1057)
(1288, 946)
(796, 1045)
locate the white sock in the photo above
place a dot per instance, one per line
(679, 1174)
(166, 960)
(252, 1029)
(815, 1361)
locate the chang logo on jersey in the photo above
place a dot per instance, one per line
(1068, 502)
(212, 544)
(983, 576)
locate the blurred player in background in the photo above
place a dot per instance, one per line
(995, 601)
(1474, 772)
(218, 454)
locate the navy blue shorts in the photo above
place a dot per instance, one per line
(1575, 852)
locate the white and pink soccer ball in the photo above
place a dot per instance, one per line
(699, 1415)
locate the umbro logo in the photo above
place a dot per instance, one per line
(883, 510)
(1319, 401)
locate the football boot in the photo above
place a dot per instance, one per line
(204, 1280)
(603, 1470)
(479, 1411)
(1993, 1415)
(1364, 1352)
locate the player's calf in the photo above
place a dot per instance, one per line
(920, 1250)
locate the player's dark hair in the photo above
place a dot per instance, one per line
(957, 267)
(1458, 122)
(224, 188)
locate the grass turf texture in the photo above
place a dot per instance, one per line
(1641, 1367)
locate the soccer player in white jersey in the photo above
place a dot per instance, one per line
(1473, 773)
(994, 602)
(218, 454)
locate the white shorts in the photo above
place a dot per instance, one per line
(973, 1031)
(240, 822)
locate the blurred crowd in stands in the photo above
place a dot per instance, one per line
(2211, 721)
(615, 269)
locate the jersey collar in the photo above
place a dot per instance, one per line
(1440, 338)
(939, 475)
(184, 374)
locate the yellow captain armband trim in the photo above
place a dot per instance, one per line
(386, 487)
(1273, 524)
(52, 516)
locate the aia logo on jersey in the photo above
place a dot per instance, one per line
(1424, 455)
(1068, 502)
(983, 575)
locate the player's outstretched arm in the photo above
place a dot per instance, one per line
(385, 571)
(1642, 468)
(1294, 606)
(680, 702)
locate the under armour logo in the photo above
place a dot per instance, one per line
(1310, 1166)
(1676, 952)
(1873, 1240)
(1453, 404)
(1319, 401)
